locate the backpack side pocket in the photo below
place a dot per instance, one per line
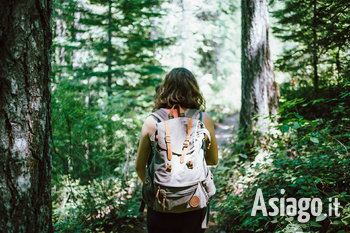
(209, 185)
(148, 192)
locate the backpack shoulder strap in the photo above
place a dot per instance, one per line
(193, 113)
(160, 115)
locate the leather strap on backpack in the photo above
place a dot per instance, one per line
(181, 111)
(187, 141)
(168, 140)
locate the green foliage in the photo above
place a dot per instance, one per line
(94, 141)
(104, 74)
(103, 80)
(100, 205)
(306, 156)
(315, 32)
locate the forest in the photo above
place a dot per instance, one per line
(79, 77)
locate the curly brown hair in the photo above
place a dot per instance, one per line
(179, 87)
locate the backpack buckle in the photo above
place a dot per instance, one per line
(186, 143)
(161, 195)
(167, 139)
(190, 164)
(168, 167)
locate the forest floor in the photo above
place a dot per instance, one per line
(223, 132)
(226, 129)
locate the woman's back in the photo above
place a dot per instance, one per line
(179, 89)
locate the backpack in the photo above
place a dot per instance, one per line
(177, 178)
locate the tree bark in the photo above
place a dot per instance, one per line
(259, 90)
(182, 36)
(109, 56)
(25, 130)
(315, 47)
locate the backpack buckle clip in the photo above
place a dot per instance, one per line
(168, 167)
(167, 139)
(186, 143)
(190, 164)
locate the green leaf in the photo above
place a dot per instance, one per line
(321, 217)
(274, 221)
(337, 223)
(285, 128)
(315, 224)
(295, 125)
(314, 140)
(346, 220)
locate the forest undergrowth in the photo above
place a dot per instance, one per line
(306, 154)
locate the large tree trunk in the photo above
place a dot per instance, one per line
(25, 160)
(259, 90)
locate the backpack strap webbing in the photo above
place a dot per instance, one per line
(191, 112)
(161, 115)
(181, 111)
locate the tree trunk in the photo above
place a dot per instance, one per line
(315, 47)
(182, 31)
(109, 55)
(259, 90)
(25, 130)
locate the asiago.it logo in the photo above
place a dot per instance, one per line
(303, 207)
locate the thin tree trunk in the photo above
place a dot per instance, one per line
(183, 28)
(259, 90)
(315, 47)
(70, 146)
(338, 64)
(25, 130)
(109, 55)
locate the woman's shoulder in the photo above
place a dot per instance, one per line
(207, 120)
(205, 114)
(152, 117)
(149, 125)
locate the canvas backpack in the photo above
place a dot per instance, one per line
(177, 177)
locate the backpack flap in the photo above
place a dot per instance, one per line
(178, 132)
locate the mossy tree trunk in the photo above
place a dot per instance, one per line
(25, 131)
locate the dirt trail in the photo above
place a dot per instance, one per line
(223, 131)
(226, 129)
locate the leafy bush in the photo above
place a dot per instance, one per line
(307, 157)
(105, 204)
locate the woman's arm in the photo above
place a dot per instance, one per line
(211, 156)
(148, 128)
